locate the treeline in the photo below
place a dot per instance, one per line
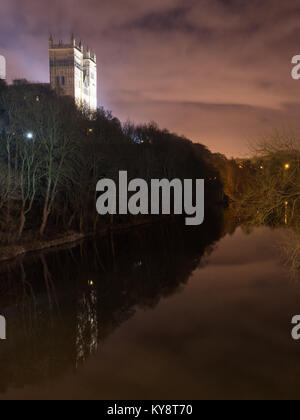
(271, 192)
(52, 155)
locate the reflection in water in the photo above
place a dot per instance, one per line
(286, 209)
(87, 325)
(61, 305)
(220, 326)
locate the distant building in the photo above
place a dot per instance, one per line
(73, 72)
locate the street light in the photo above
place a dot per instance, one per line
(29, 135)
(287, 166)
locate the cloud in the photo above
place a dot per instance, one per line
(210, 69)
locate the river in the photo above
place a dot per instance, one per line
(161, 312)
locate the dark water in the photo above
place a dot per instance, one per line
(156, 313)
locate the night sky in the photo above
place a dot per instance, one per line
(216, 71)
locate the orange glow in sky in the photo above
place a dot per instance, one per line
(218, 72)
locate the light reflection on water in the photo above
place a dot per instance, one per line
(167, 315)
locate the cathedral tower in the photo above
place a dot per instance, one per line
(74, 72)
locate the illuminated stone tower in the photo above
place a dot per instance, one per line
(74, 72)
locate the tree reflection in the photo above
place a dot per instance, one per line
(87, 324)
(71, 300)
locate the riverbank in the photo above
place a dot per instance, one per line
(11, 252)
(33, 243)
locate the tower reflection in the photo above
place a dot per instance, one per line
(62, 304)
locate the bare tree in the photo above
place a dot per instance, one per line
(274, 181)
(273, 193)
(29, 177)
(58, 154)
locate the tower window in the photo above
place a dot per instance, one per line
(57, 81)
(63, 81)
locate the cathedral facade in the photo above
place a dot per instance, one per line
(73, 72)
